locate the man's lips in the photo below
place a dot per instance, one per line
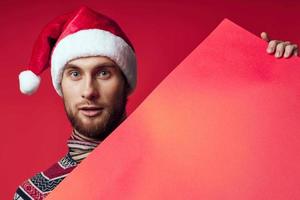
(90, 111)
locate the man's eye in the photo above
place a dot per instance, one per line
(104, 74)
(74, 74)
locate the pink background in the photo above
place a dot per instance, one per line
(35, 128)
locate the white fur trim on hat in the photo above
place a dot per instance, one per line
(29, 82)
(93, 42)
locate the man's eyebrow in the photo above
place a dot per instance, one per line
(71, 66)
(113, 65)
(106, 65)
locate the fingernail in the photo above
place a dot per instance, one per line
(278, 55)
(269, 50)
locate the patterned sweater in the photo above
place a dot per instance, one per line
(40, 185)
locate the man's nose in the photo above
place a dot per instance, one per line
(90, 89)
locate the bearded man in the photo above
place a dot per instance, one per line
(93, 68)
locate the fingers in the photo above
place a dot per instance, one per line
(265, 36)
(280, 48)
(272, 46)
(290, 50)
(296, 50)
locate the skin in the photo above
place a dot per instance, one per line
(280, 48)
(95, 95)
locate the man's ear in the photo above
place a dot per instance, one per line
(128, 88)
(60, 85)
(126, 84)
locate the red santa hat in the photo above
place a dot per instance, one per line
(78, 34)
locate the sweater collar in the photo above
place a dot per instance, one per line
(80, 146)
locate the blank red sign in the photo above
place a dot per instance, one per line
(225, 124)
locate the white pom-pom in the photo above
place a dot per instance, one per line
(29, 82)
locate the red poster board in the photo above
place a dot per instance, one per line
(223, 125)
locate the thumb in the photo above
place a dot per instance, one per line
(265, 36)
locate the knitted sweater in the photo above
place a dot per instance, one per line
(40, 185)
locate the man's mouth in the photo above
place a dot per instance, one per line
(90, 111)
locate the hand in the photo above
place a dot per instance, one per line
(279, 47)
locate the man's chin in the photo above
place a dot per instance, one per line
(89, 130)
(90, 124)
(98, 127)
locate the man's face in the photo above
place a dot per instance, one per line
(94, 94)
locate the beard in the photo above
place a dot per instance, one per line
(110, 118)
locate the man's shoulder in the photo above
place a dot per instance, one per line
(41, 184)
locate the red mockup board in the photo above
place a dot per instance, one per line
(224, 124)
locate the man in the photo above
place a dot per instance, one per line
(93, 67)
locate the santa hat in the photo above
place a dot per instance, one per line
(78, 34)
